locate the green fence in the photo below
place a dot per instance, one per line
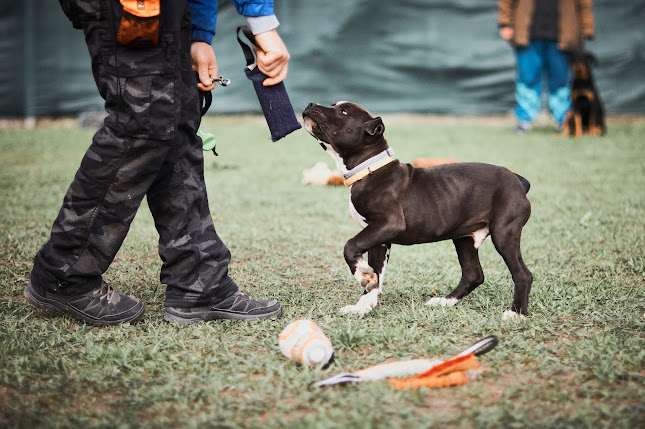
(391, 56)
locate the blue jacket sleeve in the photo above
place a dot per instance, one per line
(203, 15)
(254, 7)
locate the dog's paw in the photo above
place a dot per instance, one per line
(365, 275)
(356, 310)
(510, 314)
(442, 302)
(364, 305)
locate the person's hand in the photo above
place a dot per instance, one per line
(506, 33)
(204, 63)
(272, 57)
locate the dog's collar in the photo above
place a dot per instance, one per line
(366, 168)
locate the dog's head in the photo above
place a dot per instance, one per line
(346, 130)
(581, 63)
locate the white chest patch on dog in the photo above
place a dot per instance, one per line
(360, 220)
(479, 236)
(340, 164)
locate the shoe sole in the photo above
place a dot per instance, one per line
(60, 308)
(217, 315)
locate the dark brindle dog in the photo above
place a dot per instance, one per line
(396, 203)
(586, 115)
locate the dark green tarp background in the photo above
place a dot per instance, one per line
(391, 56)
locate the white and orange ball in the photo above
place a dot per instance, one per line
(303, 341)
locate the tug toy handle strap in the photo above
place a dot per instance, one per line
(481, 347)
(205, 99)
(274, 100)
(248, 52)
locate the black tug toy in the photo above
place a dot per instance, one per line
(274, 100)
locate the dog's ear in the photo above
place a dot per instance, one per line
(374, 127)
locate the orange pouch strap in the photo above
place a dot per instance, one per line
(139, 24)
(452, 379)
(441, 375)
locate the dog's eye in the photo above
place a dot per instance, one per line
(343, 112)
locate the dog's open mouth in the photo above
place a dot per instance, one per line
(309, 126)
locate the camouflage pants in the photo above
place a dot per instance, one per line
(147, 147)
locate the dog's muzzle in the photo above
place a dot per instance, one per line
(309, 125)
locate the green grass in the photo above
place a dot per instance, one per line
(576, 361)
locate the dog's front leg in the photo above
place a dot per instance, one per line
(364, 305)
(369, 276)
(577, 118)
(593, 129)
(596, 123)
(377, 259)
(566, 124)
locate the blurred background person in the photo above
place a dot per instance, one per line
(541, 31)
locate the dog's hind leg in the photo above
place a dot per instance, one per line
(472, 274)
(507, 243)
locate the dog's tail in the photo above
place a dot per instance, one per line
(525, 183)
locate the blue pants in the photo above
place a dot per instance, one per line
(541, 58)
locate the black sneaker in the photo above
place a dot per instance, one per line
(238, 306)
(100, 307)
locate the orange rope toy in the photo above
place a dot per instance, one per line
(451, 372)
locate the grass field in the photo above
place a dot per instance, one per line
(577, 361)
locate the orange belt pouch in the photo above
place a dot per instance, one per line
(139, 26)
